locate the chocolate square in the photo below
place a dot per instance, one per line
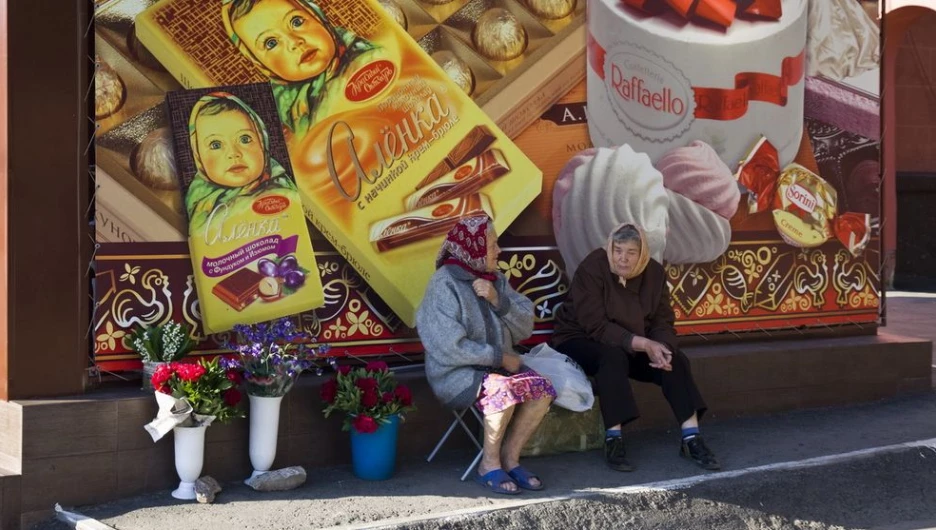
(239, 289)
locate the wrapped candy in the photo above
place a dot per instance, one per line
(804, 206)
(720, 12)
(395, 11)
(153, 161)
(110, 92)
(457, 70)
(551, 9)
(499, 36)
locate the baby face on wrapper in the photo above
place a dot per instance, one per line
(228, 145)
(285, 37)
(231, 151)
(296, 46)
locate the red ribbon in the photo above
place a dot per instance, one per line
(719, 12)
(730, 103)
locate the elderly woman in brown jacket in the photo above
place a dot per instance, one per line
(617, 323)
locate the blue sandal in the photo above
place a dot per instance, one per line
(522, 478)
(494, 480)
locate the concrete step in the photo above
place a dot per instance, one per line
(98, 441)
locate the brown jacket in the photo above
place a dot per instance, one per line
(599, 308)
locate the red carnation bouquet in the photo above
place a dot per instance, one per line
(369, 396)
(210, 389)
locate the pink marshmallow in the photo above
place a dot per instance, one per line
(698, 173)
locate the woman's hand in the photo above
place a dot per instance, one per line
(660, 356)
(512, 362)
(485, 289)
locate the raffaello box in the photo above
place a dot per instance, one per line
(388, 153)
(665, 73)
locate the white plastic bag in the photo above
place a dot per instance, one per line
(573, 391)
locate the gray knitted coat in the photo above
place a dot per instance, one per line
(464, 336)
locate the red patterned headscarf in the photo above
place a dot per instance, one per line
(466, 246)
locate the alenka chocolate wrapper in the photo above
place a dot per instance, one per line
(804, 205)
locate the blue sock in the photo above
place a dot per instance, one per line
(612, 433)
(689, 432)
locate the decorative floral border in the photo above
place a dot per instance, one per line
(757, 285)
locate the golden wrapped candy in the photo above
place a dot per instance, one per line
(109, 91)
(153, 161)
(498, 35)
(804, 206)
(551, 9)
(457, 70)
(395, 11)
(435, 2)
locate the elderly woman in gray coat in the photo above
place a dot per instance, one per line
(468, 322)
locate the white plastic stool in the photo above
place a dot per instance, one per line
(459, 420)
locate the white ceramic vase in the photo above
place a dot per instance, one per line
(189, 459)
(264, 429)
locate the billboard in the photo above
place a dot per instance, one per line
(756, 174)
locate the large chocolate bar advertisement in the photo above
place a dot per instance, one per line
(266, 158)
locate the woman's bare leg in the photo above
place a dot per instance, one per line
(495, 426)
(524, 424)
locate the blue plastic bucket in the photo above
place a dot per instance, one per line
(373, 455)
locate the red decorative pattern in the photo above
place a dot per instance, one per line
(756, 285)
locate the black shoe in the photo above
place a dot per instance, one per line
(695, 449)
(616, 455)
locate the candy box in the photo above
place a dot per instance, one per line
(368, 117)
(512, 92)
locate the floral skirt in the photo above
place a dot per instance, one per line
(500, 392)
